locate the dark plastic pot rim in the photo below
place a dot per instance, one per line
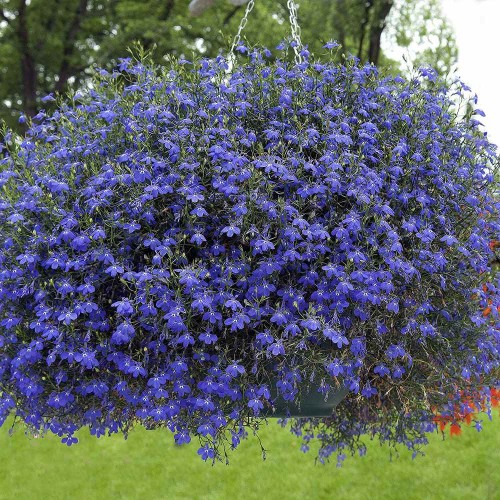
(311, 404)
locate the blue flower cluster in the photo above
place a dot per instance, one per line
(179, 246)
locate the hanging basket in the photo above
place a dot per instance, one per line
(311, 404)
(170, 234)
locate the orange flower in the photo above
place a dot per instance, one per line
(495, 397)
(465, 412)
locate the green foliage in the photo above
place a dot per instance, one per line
(50, 45)
(421, 29)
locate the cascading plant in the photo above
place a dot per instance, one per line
(180, 246)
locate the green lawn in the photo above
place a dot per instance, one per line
(148, 466)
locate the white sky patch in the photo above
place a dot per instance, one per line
(477, 30)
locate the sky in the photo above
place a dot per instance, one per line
(477, 30)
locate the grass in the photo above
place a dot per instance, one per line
(148, 466)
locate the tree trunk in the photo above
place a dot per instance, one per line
(169, 5)
(339, 22)
(378, 25)
(66, 70)
(364, 24)
(28, 70)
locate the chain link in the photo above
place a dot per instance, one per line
(241, 27)
(295, 28)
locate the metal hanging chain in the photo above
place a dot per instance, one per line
(241, 27)
(294, 27)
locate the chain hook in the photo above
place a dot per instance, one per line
(294, 27)
(241, 27)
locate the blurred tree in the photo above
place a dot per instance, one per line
(421, 29)
(49, 45)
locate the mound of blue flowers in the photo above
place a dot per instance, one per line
(181, 245)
